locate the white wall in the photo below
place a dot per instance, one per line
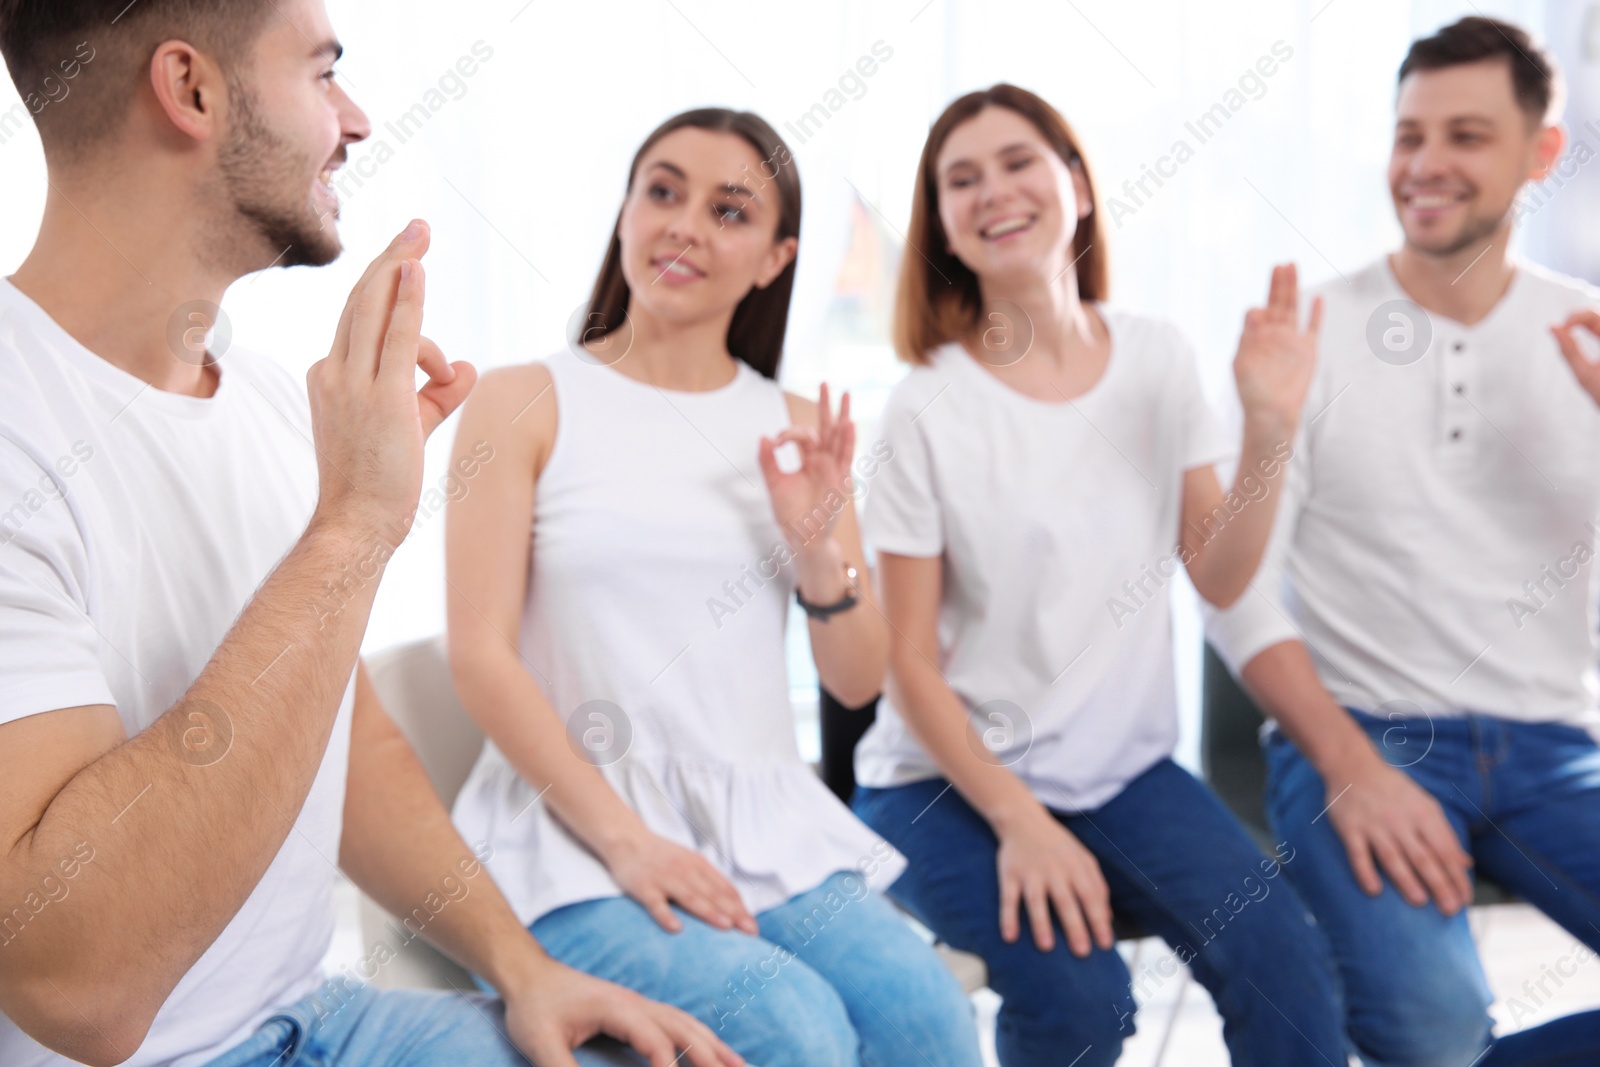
(522, 175)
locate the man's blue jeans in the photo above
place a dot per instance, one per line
(1179, 865)
(837, 978)
(345, 1024)
(1524, 799)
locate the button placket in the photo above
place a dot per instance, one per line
(1460, 426)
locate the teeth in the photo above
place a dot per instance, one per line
(1431, 201)
(678, 268)
(1003, 228)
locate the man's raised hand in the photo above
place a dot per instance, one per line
(368, 418)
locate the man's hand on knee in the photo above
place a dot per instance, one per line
(1381, 814)
(558, 1009)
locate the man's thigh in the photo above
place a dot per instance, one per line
(423, 1028)
(1414, 989)
(1538, 826)
(345, 1024)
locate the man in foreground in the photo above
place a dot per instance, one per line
(188, 748)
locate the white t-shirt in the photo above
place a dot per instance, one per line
(1433, 548)
(1058, 524)
(135, 525)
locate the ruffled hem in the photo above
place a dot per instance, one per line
(771, 827)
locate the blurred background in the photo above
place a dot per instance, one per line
(521, 165)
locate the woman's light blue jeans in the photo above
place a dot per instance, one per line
(837, 978)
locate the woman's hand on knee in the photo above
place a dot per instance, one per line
(1043, 866)
(659, 873)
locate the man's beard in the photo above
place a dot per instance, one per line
(266, 180)
(1474, 233)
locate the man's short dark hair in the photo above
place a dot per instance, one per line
(1534, 78)
(78, 63)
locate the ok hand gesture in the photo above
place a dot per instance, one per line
(807, 502)
(1585, 369)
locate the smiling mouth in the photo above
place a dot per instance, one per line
(1433, 201)
(674, 268)
(1006, 227)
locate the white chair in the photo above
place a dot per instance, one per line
(413, 682)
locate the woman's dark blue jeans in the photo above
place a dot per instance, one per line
(1178, 865)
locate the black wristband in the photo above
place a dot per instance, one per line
(824, 612)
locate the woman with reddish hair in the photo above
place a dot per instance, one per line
(1052, 471)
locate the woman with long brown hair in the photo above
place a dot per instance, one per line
(1053, 468)
(620, 577)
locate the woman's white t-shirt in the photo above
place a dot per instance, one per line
(1058, 524)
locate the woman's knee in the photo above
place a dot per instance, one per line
(778, 1012)
(920, 1007)
(1054, 1001)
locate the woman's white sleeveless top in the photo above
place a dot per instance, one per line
(654, 624)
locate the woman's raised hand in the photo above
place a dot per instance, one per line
(1276, 358)
(807, 502)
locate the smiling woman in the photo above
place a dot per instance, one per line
(650, 814)
(756, 333)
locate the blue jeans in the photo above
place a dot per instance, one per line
(837, 978)
(1525, 801)
(1177, 864)
(345, 1024)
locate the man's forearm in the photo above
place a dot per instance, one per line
(1284, 683)
(402, 850)
(204, 797)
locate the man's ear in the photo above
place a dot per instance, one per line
(190, 89)
(783, 253)
(1551, 143)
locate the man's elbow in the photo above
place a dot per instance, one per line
(94, 1022)
(1225, 598)
(1216, 590)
